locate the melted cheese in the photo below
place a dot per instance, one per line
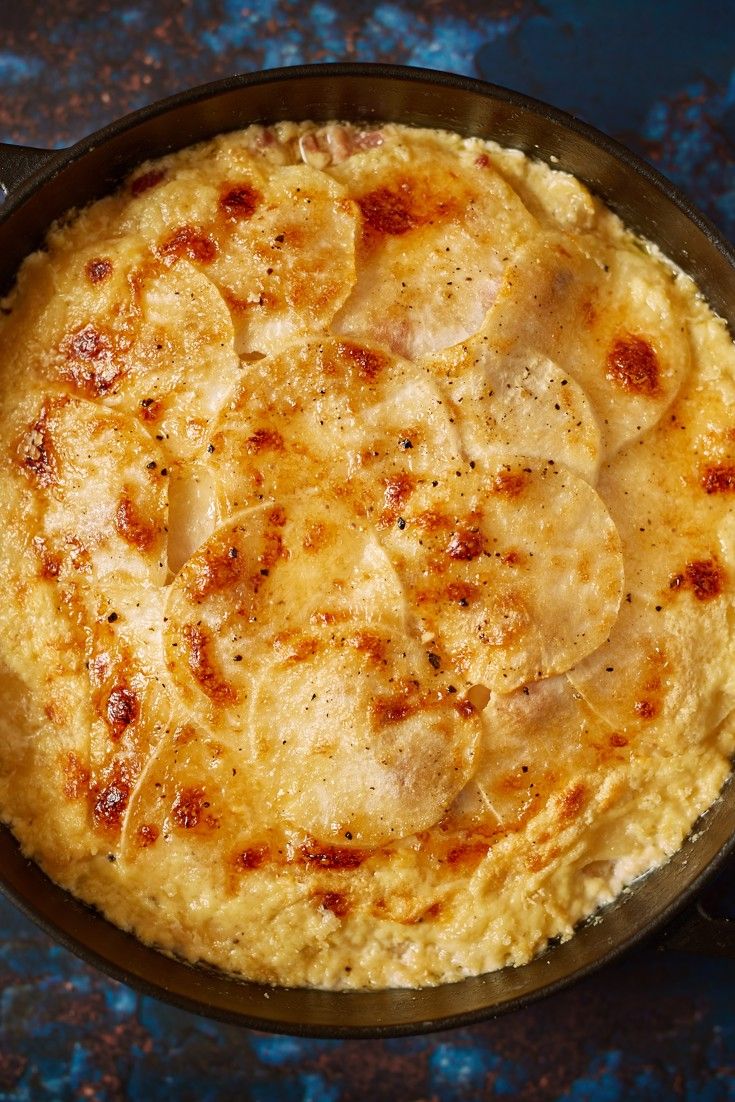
(366, 537)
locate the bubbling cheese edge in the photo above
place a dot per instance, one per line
(366, 535)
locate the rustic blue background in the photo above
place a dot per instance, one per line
(662, 77)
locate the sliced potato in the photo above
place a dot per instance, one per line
(287, 638)
(514, 569)
(607, 319)
(103, 492)
(437, 229)
(331, 413)
(518, 403)
(535, 741)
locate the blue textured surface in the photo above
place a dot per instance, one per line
(662, 77)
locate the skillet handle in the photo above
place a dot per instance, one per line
(697, 931)
(17, 163)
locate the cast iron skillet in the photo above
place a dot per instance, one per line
(42, 185)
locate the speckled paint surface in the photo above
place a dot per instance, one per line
(662, 77)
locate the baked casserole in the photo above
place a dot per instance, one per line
(367, 551)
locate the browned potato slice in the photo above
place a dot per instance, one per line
(181, 365)
(286, 270)
(610, 321)
(514, 569)
(105, 498)
(535, 741)
(331, 413)
(437, 228)
(287, 638)
(278, 241)
(190, 792)
(152, 341)
(665, 663)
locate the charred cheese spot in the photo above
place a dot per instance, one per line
(706, 579)
(467, 855)
(397, 490)
(718, 478)
(465, 708)
(135, 529)
(432, 520)
(98, 269)
(151, 409)
(462, 592)
(277, 516)
(146, 835)
(294, 646)
(50, 561)
(402, 206)
(632, 365)
(388, 210)
(185, 734)
(264, 440)
(111, 801)
(317, 536)
(123, 710)
(202, 666)
(216, 572)
(188, 808)
(325, 618)
(368, 362)
(245, 860)
(187, 242)
(466, 544)
(572, 803)
(509, 484)
(315, 856)
(37, 452)
(646, 709)
(239, 202)
(370, 644)
(393, 709)
(273, 550)
(336, 902)
(89, 362)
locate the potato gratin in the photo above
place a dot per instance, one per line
(368, 555)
